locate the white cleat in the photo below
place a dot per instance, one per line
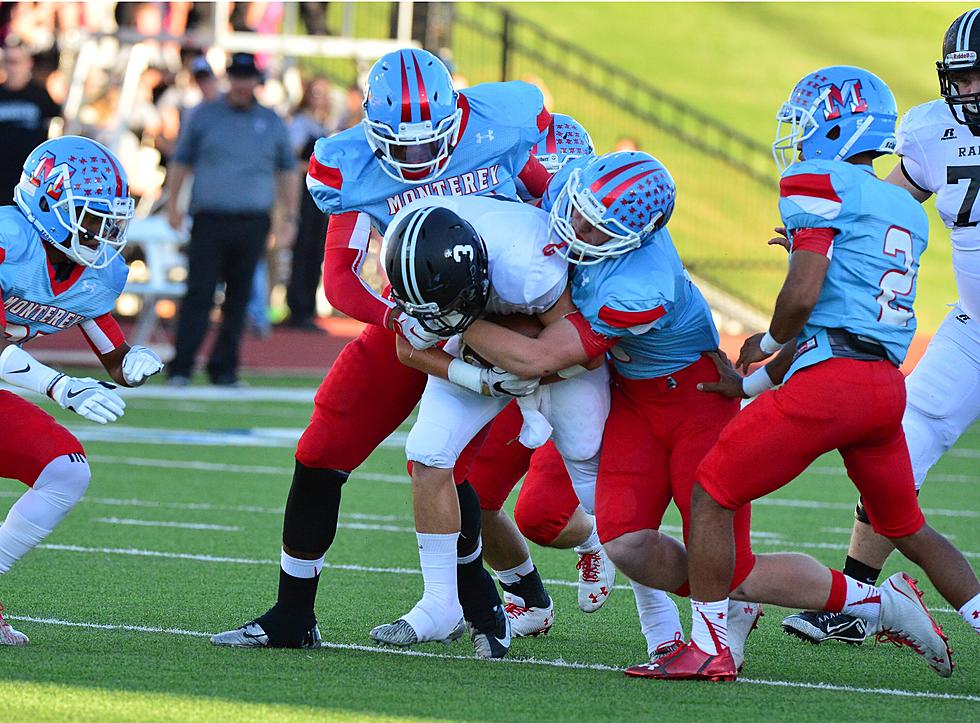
(743, 618)
(596, 576)
(9, 636)
(252, 635)
(402, 635)
(905, 621)
(528, 622)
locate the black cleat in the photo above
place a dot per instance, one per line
(494, 642)
(817, 627)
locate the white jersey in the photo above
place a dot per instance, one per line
(942, 156)
(524, 279)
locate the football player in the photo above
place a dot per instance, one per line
(450, 261)
(419, 137)
(842, 325)
(60, 267)
(936, 142)
(608, 217)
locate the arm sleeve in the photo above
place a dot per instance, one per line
(535, 177)
(817, 240)
(346, 248)
(186, 149)
(909, 148)
(102, 334)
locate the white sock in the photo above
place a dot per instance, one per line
(709, 625)
(436, 614)
(61, 484)
(659, 620)
(592, 544)
(514, 574)
(296, 567)
(863, 601)
(971, 612)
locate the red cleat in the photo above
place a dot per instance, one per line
(688, 663)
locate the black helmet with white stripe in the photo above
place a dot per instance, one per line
(961, 53)
(438, 268)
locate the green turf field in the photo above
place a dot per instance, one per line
(176, 540)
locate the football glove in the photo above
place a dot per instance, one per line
(418, 336)
(496, 382)
(140, 363)
(89, 398)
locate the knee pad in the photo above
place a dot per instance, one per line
(312, 508)
(468, 543)
(64, 480)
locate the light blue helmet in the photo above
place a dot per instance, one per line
(835, 113)
(566, 140)
(67, 182)
(627, 195)
(411, 115)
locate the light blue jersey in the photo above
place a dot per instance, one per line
(501, 123)
(34, 301)
(874, 256)
(646, 299)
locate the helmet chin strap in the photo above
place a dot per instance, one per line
(862, 127)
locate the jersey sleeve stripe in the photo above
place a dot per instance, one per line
(327, 175)
(625, 319)
(814, 185)
(908, 177)
(544, 118)
(817, 240)
(351, 230)
(3, 254)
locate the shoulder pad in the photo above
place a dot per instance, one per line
(514, 103)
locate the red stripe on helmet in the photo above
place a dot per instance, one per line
(423, 97)
(406, 99)
(603, 180)
(115, 169)
(551, 143)
(611, 197)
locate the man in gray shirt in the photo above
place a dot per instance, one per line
(240, 156)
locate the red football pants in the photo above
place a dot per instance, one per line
(365, 396)
(31, 439)
(657, 433)
(852, 406)
(546, 501)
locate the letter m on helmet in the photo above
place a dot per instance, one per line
(848, 95)
(43, 172)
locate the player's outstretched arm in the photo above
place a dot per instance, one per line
(558, 347)
(126, 365)
(89, 398)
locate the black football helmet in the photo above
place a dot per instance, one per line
(961, 52)
(437, 265)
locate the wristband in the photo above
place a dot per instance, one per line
(757, 382)
(466, 375)
(19, 368)
(768, 344)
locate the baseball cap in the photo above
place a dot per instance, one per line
(242, 65)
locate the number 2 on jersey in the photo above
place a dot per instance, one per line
(897, 282)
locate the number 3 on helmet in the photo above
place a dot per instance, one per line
(73, 188)
(411, 115)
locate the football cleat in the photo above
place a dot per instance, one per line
(667, 648)
(402, 635)
(816, 627)
(528, 622)
(496, 642)
(9, 636)
(252, 635)
(688, 663)
(905, 621)
(743, 618)
(596, 576)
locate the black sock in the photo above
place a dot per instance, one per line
(291, 617)
(530, 589)
(477, 595)
(861, 572)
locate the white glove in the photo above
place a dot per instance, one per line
(89, 398)
(418, 336)
(139, 363)
(496, 382)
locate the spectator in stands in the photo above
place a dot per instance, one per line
(240, 156)
(353, 107)
(26, 111)
(312, 121)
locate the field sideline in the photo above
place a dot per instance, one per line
(178, 538)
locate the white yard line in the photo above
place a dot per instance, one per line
(259, 437)
(165, 523)
(294, 395)
(511, 661)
